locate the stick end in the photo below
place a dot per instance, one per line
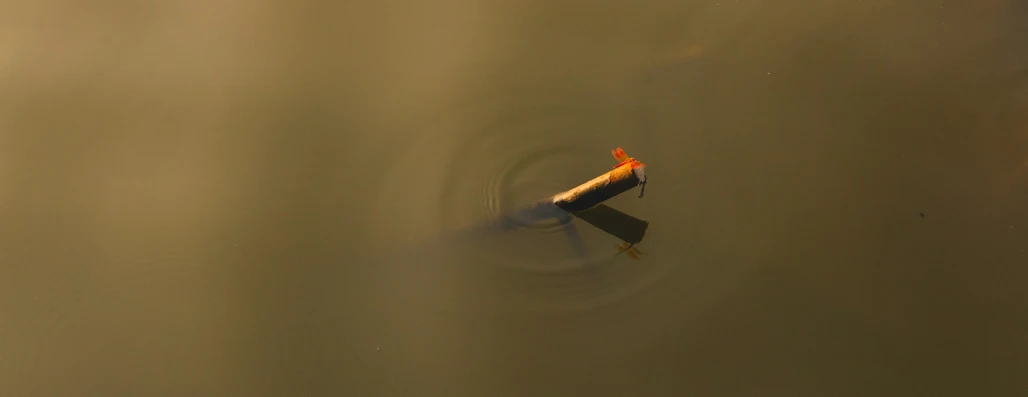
(639, 169)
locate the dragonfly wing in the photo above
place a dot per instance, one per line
(619, 154)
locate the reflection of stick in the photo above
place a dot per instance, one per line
(615, 223)
(585, 196)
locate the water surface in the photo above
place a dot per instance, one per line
(251, 198)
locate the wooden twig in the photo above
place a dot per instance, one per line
(619, 180)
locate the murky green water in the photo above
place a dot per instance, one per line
(253, 198)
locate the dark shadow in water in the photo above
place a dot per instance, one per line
(629, 229)
(616, 223)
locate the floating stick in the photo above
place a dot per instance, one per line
(628, 174)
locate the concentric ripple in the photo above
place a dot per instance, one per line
(477, 171)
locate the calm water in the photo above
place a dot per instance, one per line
(227, 198)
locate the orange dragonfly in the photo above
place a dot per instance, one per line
(637, 166)
(619, 155)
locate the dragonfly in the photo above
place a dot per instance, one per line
(620, 155)
(637, 166)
